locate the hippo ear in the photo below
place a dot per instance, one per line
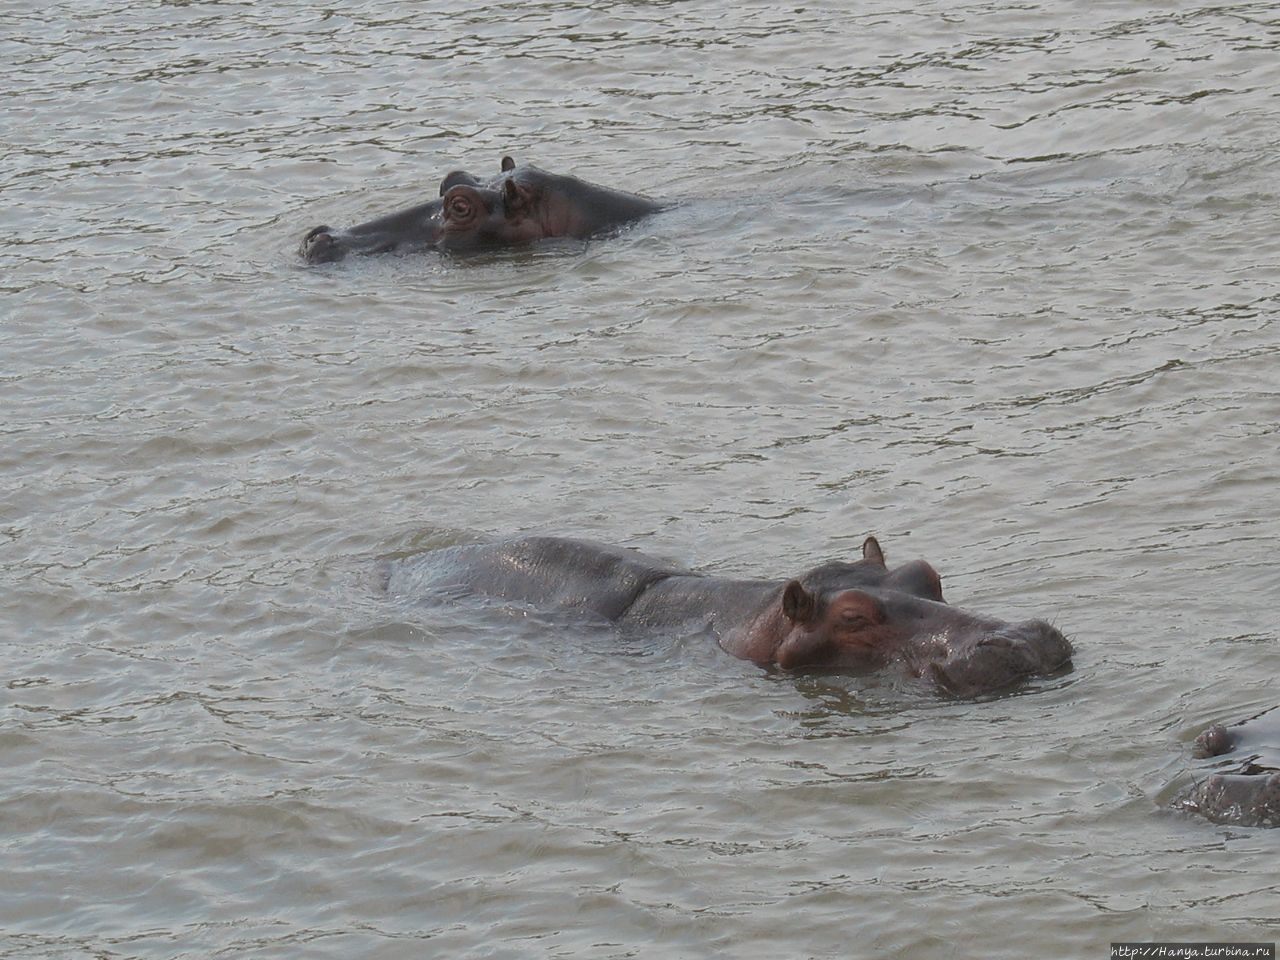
(508, 164)
(871, 551)
(797, 603)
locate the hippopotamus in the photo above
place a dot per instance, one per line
(1246, 789)
(851, 617)
(522, 204)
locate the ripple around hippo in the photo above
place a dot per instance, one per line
(850, 617)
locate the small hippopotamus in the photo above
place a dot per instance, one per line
(517, 207)
(849, 617)
(1247, 794)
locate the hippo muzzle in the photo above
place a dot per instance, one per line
(972, 664)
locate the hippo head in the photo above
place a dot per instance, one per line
(479, 216)
(1245, 789)
(517, 208)
(860, 616)
(470, 214)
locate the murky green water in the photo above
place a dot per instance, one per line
(997, 283)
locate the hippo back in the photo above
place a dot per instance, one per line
(548, 572)
(590, 207)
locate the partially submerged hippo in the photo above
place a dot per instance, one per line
(851, 617)
(517, 207)
(1246, 791)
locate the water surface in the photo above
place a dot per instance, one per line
(997, 283)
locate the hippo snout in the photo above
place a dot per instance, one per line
(998, 657)
(320, 246)
(1035, 637)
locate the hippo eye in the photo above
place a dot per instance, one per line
(459, 208)
(854, 620)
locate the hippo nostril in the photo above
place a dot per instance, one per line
(995, 640)
(319, 245)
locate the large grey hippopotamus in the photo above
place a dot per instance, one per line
(1245, 790)
(517, 207)
(849, 617)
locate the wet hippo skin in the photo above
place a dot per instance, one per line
(519, 206)
(839, 616)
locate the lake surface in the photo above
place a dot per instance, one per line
(998, 283)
